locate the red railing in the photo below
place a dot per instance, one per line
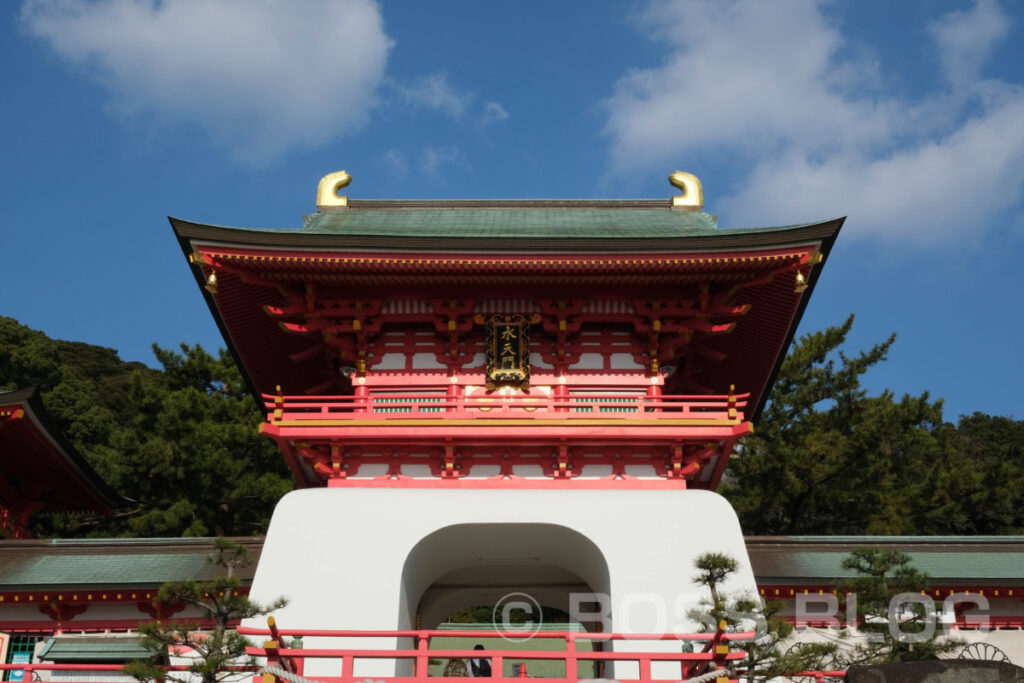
(391, 406)
(715, 654)
(30, 670)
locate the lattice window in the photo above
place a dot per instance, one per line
(20, 651)
(380, 404)
(610, 400)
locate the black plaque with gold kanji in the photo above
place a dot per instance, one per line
(508, 350)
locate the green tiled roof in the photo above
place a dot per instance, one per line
(961, 565)
(113, 650)
(99, 569)
(39, 564)
(503, 222)
(946, 559)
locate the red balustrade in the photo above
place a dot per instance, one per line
(714, 655)
(403, 406)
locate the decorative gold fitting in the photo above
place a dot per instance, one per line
(211, 282)
(693, 192)
(327, 191)
(801, 282)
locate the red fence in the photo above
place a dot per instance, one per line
(713, 652)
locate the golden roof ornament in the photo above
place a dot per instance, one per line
(693, 193)
(327, 196)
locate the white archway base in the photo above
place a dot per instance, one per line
(362, 559)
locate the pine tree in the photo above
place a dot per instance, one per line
(881, 576)
(826, 458)
(765, 658)
(219, 650)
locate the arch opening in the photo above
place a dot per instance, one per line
(516, 569)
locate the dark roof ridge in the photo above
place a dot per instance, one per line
(446, 204)
(882, 540)
(199, 541)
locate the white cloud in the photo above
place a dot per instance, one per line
(435, 92)
(435, 158)
(966, 39)
(395, 163)
(493, 113)
(260, 76)
(762, 84)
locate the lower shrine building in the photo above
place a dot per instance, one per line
(39, 470)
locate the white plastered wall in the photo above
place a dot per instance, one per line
(362, 559)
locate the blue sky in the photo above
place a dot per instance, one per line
(907, 117)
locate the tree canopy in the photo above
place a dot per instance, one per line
(180, 442)
(827, 458)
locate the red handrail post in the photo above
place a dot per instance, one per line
(422, 660)
(645, 669)
(571, 664)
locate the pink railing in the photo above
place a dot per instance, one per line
(390, 406)
(714, 655)
(30, 669)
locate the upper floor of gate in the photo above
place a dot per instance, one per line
(470, 330)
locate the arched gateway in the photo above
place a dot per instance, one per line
(480, 398)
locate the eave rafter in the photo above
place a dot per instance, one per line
(273, 267)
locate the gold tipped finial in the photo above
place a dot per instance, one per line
(327, 191)
(693, 193)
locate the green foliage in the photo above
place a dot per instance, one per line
(881, 575)
(219, 649)
(829, 459)
(193, 453)
(986, 491)
(181, 442)
(765, 658)
(712, 570)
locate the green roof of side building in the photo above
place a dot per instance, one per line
(948, 560)
(121, 562)
(96, 649)
(795, 560)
